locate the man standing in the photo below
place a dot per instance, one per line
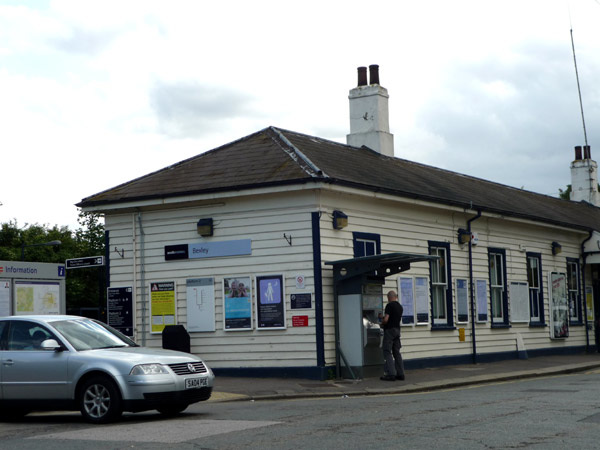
(394, 367)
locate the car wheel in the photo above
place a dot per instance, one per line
(100, 400)
(171, 410)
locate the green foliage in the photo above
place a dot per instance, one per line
(566, 194)
(85, 286)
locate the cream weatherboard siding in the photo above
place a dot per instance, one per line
(138, 238)
(263, 220)
(407, 226)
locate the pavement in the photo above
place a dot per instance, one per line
(418, 380)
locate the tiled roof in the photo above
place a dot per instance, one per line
(274, 157)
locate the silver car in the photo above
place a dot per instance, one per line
(74, 363)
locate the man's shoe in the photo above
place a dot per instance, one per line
(387, 378)
(399, 377)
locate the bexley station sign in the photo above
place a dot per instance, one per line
(208, 249)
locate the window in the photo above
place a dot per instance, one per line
(26, 336)
(498, 293)
(441, 289)
(366, 244)
(573, 290)
(536, 295)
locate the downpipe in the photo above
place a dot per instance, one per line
(472, 295)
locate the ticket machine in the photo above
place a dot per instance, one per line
(358, 285)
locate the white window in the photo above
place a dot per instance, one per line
(439, 286)
(497, 287)
(534, 277)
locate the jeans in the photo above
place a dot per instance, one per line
(391, 352)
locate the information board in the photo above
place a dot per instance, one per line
(301, 300)
(200, 294)
(119, 309)
(5, 297)
(37, 297)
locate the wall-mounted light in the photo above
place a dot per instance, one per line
(464, 236)
(340, 220)
(556, 248)
(205, 227)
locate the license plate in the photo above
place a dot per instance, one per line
(193, 383)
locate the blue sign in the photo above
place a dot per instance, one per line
(222, 248)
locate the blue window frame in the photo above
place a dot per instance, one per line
(440, 285)
(536, 289)
(498, 287)
(366, 244)
(574, 292)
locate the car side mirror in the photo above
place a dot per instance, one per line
(50, 344)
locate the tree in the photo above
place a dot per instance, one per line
(84, 287)
(566, 194)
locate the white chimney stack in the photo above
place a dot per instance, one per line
(584, 177)
(369, 114)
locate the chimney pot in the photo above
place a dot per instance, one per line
(362, 76)
(587, 152)
(374, 73)
(577, 152)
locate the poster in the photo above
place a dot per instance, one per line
(119, 309)
(519, 302)
(462, 301)
(237, 303)
(481, 298)
(4, 298)
(162, 305)
(559, 306)
(422, 300)
(589, 302)
(37, 297)
(407, 299)
(200, 295)
(270, 307)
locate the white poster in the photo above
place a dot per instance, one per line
(481, 294)
(462, 301)
(518, 294)
(200, 304)
(4, 298)
(422, 300)
(407, 299)
(559, 306)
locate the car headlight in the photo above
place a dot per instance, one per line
(148, 369)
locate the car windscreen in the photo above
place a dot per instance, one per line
(85, 334)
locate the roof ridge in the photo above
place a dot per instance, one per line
(315, 170)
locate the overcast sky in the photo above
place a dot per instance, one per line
(96, 93)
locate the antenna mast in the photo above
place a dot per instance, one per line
(578, 88)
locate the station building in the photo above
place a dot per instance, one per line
(275, 252)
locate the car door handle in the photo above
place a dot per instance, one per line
(8, 362)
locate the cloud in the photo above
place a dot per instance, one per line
(190, 109)
(84, 41)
